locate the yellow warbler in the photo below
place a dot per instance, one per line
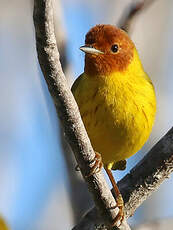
(116, 98)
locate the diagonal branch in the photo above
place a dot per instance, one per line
(143, 179)
(79, 197)
(132, 11)
(67, 109)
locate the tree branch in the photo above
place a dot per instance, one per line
(135, 8)
(67, 109)
(79, 196)
(143, 179)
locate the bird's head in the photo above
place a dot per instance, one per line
(108, 49)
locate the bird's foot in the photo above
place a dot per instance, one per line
(119, 201)
(97, 165)
(120, 216)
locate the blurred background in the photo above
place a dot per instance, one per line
(39, 188)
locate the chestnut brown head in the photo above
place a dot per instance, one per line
(108, 49)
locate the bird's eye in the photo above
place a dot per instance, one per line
(114, 48)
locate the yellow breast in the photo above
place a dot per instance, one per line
(118, 111)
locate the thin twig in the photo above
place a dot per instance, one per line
(79, 196)
(131, 12)
(67, 109)
(142, 181)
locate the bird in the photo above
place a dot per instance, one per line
(116, 100)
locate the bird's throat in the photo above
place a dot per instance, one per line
(98, 65)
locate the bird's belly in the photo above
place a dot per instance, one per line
(117, 132)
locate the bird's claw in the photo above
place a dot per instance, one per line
(97, 165)
(120, 215)
(97, 161)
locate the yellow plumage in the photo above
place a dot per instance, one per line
(116, 100)
(117, 109)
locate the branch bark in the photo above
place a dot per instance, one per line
(143, 179)
(79, 196)
(67, 109)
